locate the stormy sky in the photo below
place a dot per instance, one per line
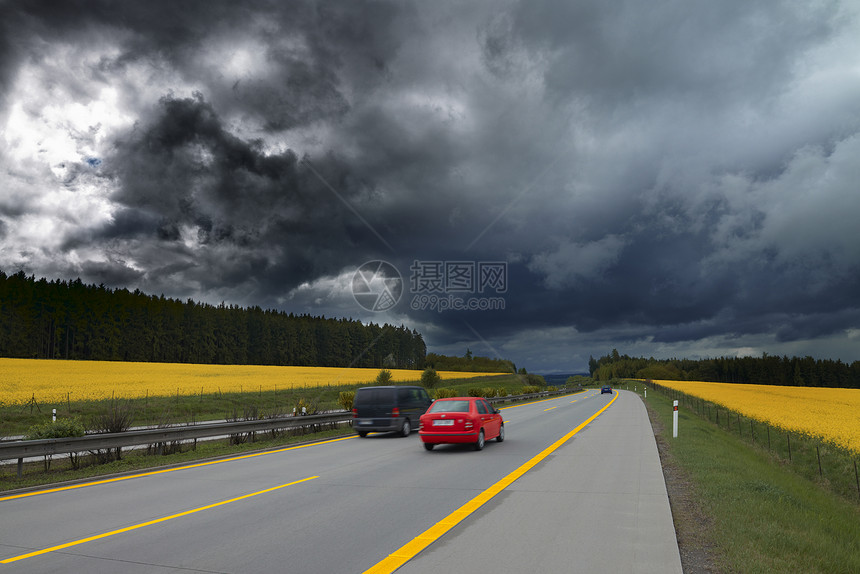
(676, 178)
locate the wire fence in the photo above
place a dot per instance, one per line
(812, 457)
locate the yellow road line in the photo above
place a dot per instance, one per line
(411, 549)
(549, 409)
(141, 525)
(162, 471)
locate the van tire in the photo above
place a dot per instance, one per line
(362, 433)
(405, 428)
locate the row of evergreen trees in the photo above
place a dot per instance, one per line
(71, 320)
(764, 370)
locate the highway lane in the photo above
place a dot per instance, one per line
(370, 497)
(597, 504)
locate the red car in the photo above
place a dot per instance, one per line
(458, 420)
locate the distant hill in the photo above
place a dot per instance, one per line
(43, 319)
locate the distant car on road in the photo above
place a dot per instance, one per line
(461, 420)
(606, 389)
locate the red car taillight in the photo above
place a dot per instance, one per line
(470, 425)
(395, 412)
(355, 413)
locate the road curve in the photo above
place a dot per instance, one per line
(595, 503)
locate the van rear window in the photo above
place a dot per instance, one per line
(374, 396)
(449, 407)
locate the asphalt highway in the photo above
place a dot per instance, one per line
(575, 487)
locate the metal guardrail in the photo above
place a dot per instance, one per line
(50, 446)
(21, 449)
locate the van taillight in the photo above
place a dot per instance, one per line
(395, 412)
(355, 413)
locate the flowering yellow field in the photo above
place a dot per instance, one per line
(833, 414)
(22, 379)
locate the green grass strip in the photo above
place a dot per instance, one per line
(764, 517)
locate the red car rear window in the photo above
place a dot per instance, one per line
(449, 407)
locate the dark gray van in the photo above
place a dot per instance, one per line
(385, 409)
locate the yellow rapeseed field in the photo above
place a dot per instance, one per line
(832, 414)
(50, 381)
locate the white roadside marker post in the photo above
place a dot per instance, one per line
(674, 419)
(54, 415)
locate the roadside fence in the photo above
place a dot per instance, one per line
(810, 456)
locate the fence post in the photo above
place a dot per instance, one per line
(857, 478)
(817, 452)
(675, 419)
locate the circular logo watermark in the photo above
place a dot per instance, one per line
(377, 286)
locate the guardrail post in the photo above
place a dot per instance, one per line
(21, 467)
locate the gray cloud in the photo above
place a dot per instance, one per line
(677, 178)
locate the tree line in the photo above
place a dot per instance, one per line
(71, 320)
(469, 363)
(764, 370)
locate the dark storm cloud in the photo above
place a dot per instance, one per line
(672, 174)
(654, 262)
(310, 46)
(111, 273)
(130, 223)
(815, 325)
(222, 194)
(609, 52)
(7, 57)
(183, 167)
